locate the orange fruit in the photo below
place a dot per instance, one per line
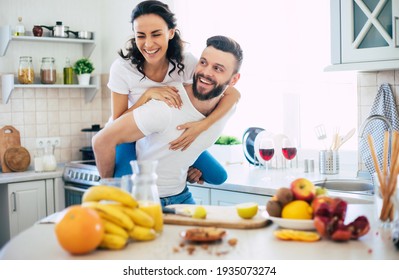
(297, 209)
(79, 230)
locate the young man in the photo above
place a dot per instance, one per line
(153, 125)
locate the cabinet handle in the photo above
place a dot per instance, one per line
(396, 31)
(14, 200)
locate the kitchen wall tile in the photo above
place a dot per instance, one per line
(30, 131)
(41, 117)
(76, 93)
(76, 116)
(53, 117)
(17, 118)
(65, 93)
(5, 119)
(54, 130)
(52, 104)
(42, 130)
(75, 103)
(29, 105)
(40, 93)
(367, 79)
(41, 104)
(17, 94)
(52, 93)
(65, 130)
(367, 95)
(17, 105)
(64, 104)
(385, 77)
(29, 118)
(65, 117)
(28, 93)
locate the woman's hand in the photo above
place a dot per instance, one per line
(167, 94)
(191, 132)
(194, 175)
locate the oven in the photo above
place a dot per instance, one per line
(78, 176)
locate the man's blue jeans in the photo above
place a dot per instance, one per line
(185, 197)
(212, 171)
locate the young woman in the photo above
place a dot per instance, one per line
(153, 60)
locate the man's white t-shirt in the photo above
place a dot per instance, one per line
(124, 78)
(158, 123)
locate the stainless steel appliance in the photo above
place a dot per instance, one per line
(78, 177)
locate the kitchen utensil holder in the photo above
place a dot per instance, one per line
(328, 162)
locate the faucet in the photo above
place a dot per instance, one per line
(372, 118)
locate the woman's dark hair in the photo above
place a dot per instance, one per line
(226, 44)
(175, 46)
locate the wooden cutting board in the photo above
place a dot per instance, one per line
(9, 137)
(217, 216)
(17, 159)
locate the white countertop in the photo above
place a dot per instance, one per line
(39, 242)
(30, 175)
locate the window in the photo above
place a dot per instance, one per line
(286, 48)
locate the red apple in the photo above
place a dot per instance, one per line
(303, 189)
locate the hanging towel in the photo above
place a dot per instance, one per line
(384, 105)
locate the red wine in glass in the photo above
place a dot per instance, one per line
(289, 153)
(266, 154)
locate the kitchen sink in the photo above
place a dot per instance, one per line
(347, 185)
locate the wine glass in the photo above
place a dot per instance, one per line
(266, 151)
(288, 147)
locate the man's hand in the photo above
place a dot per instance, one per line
(194, 175)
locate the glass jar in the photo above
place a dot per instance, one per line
(145, 190)
(49, 161)
(26, 74)
(48, 73)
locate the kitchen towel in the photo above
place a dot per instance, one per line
(384, 105)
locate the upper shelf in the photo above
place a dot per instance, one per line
(6, 37)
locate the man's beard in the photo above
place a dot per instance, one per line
(215, 92)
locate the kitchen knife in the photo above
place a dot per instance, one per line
(182, 212)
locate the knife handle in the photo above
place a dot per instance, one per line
(167, 210)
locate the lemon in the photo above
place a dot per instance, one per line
(297, 209)
(199, 212)
(247, 210)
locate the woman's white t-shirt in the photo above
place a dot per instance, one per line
(124, 78)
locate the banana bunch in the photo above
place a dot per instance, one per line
(122, 218)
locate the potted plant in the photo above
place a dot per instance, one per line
(83, 68)
(227, 150)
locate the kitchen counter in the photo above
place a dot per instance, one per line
(39, 242)
(30, 175)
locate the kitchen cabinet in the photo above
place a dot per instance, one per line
(226, 198)
(364, 35)
(201, 195)
(24, 203)
(9, 81)
(210, 196)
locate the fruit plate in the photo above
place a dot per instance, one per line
(293, 224)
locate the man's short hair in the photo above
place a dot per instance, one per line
(227, 44)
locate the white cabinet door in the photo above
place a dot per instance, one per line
(369, 30)
(27, 204)
(201, 195)
(225, 198)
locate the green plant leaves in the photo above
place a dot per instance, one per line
(83, 66)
